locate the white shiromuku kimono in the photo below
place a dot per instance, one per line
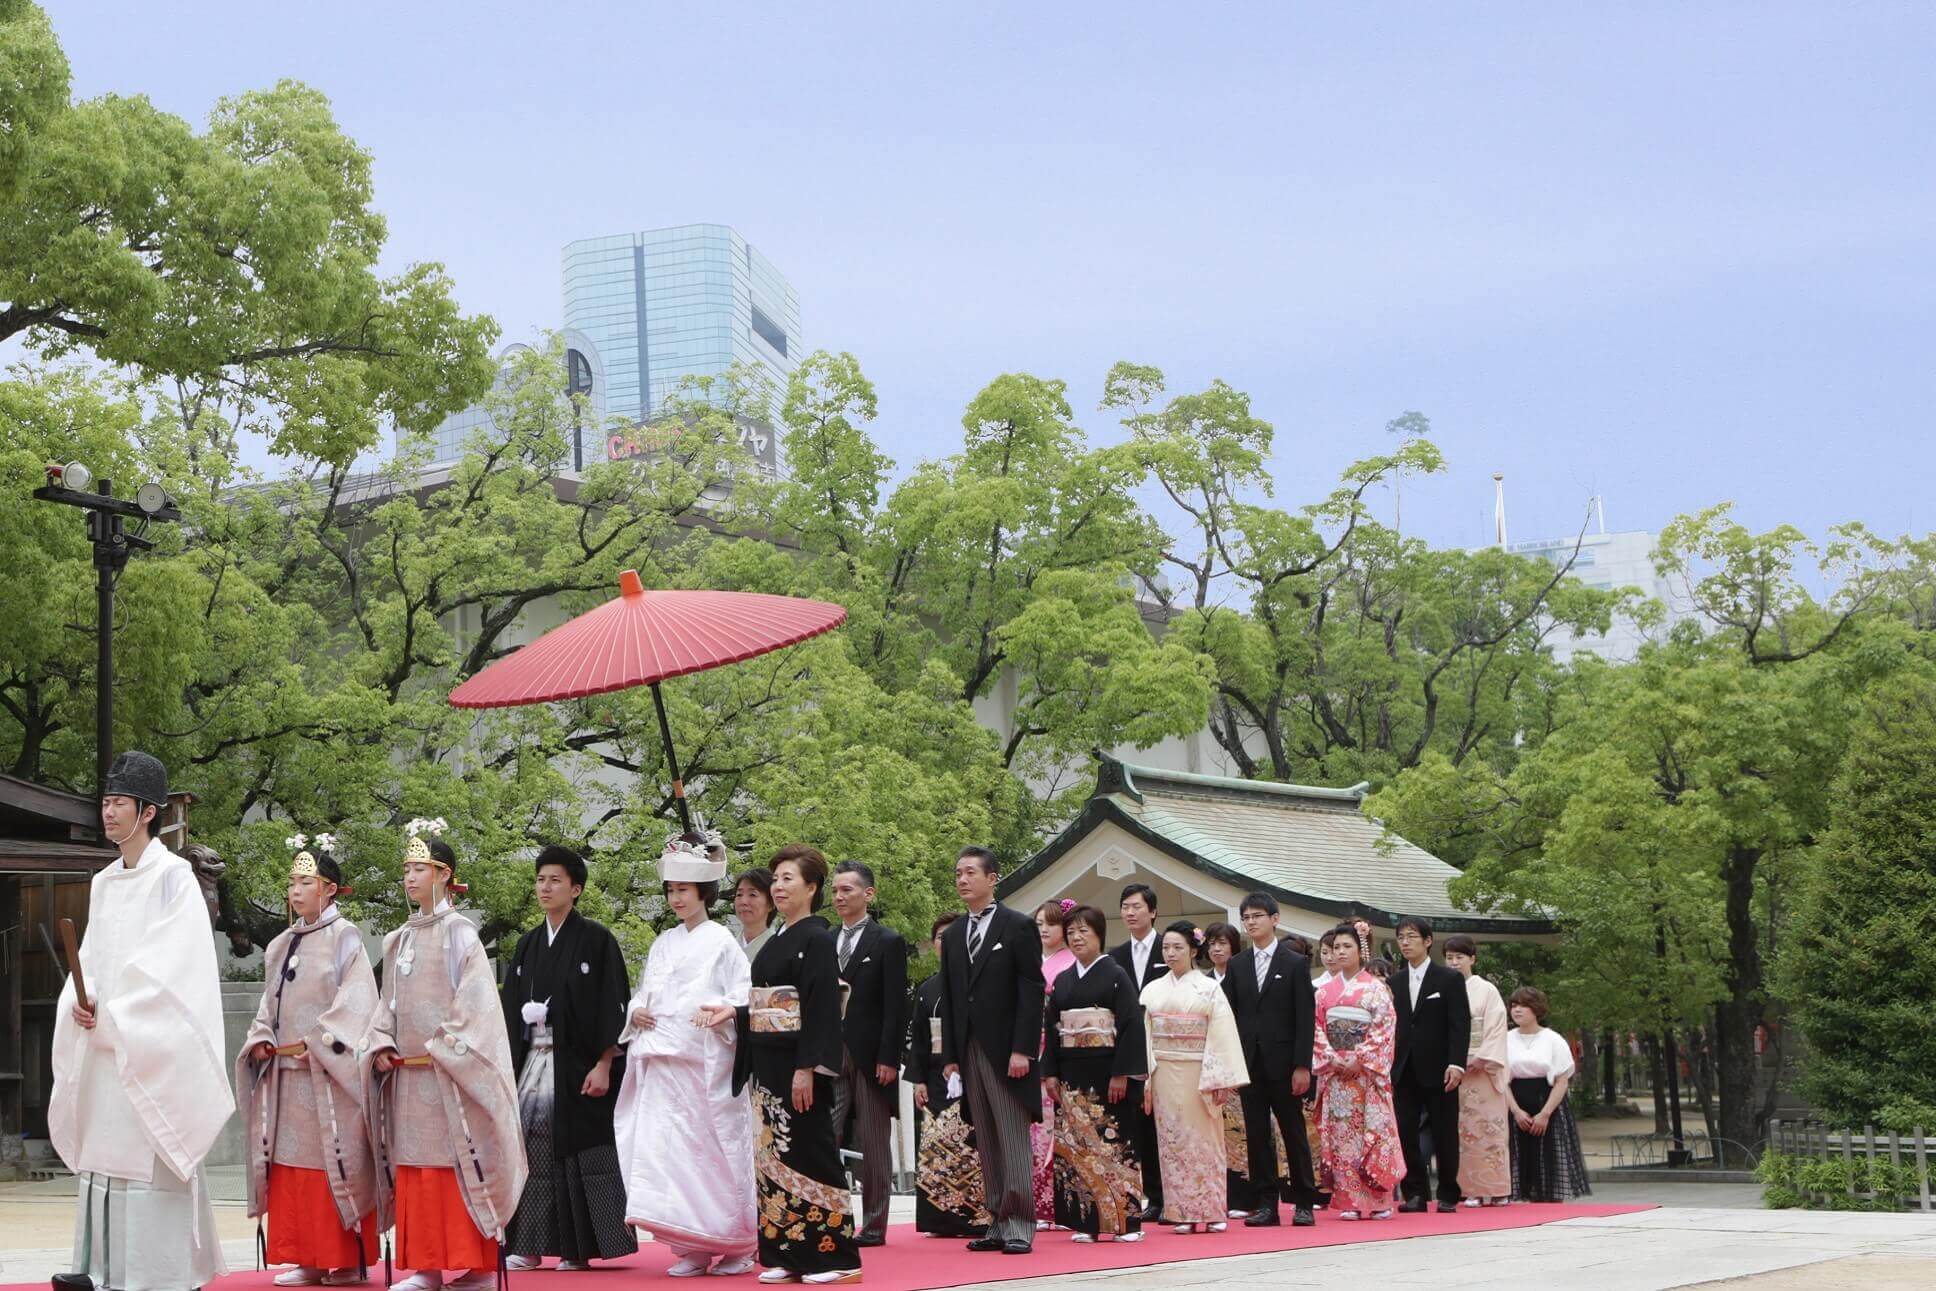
(685, 1142)
(139, 1100)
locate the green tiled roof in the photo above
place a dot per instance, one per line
(1311, 845)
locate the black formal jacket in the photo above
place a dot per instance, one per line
(582, 975)
(877, 1001)
(996, 1001)
(1438, 1033)
(1276, 1026)
(1156, 968)
(923, 1065)
(801, 956)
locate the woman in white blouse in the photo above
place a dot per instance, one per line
(1547, 1162)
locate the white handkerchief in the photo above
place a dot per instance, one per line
(954, 1085)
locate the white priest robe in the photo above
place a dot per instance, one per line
(685, 1142)
(139, 1099)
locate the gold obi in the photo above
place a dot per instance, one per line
(934, 1036)
(1087, 1028)
(775, 1009)
(1179, 1035)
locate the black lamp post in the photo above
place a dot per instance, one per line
(68, 485)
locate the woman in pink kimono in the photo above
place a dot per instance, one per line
(1352, 1058)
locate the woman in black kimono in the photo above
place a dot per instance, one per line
(790, 1046)
(948, 1190)
(1096, 1048)
(564, 997)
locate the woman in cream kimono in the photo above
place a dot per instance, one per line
(1197, 1062)
(1485, 1119)
(685, 1140)
(310, 1168)
(444, 1112)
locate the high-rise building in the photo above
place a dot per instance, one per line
(585, 376)
(1611, 560)
(667, 304)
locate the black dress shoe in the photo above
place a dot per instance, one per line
(869, 1240)
(989, 1243)
(1152, 1214)
(1416, 1206)
(1266, 1218)
(1303, 1218)
(1448, 1208)
(1017, 1248)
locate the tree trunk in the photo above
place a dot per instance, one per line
(1610, 1088)
(1657, 1077)
(1737, 1016)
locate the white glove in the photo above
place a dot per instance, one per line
(954, 1085)
(535, 1012)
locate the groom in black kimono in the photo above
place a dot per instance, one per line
(564, 997)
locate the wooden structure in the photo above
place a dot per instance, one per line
(50, 846)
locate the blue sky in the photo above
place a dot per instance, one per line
(1675, 254)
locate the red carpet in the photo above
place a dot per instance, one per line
(911, 1262)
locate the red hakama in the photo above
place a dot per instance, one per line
(304, 1228)
(434, 1230)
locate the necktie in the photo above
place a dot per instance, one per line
(974, 935)
(1263, 968)
(848, 936)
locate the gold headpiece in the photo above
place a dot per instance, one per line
(417, 849)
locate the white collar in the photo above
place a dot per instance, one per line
(320, 919)
(1266, 950)
(857, 925)
(984, 912)
(1419, 971)
(551, 929)
(1082, 969)
(1147, 939)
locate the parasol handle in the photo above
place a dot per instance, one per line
(672, 761)
(70, 940)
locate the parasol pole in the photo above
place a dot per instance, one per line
(672, 760)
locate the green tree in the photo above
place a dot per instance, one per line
(234, 267)
(1864, 920)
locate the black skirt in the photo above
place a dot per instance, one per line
(806, 1213)
(1098, 1179)
(1549, 1166)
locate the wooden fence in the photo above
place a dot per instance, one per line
(1814, 1141)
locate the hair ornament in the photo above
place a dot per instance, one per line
(296, 842)
(1066, 904)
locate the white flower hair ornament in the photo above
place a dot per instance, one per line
(296, 842)
(418, 850)
(325, 842)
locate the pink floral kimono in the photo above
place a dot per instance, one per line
(1361, 1157)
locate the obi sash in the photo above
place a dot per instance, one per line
(1179, 1035)
(1087, 1028)
(775, 1010)
(934, 1036)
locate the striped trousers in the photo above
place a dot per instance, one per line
(866, 1104)
(1001, 1121)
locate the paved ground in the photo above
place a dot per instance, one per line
(1702, 1234)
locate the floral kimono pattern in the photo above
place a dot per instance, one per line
(1194, 1051)
(1362, 1160)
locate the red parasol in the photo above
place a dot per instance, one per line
(641, 639)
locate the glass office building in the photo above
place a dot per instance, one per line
(585, 377)
(671, 303)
